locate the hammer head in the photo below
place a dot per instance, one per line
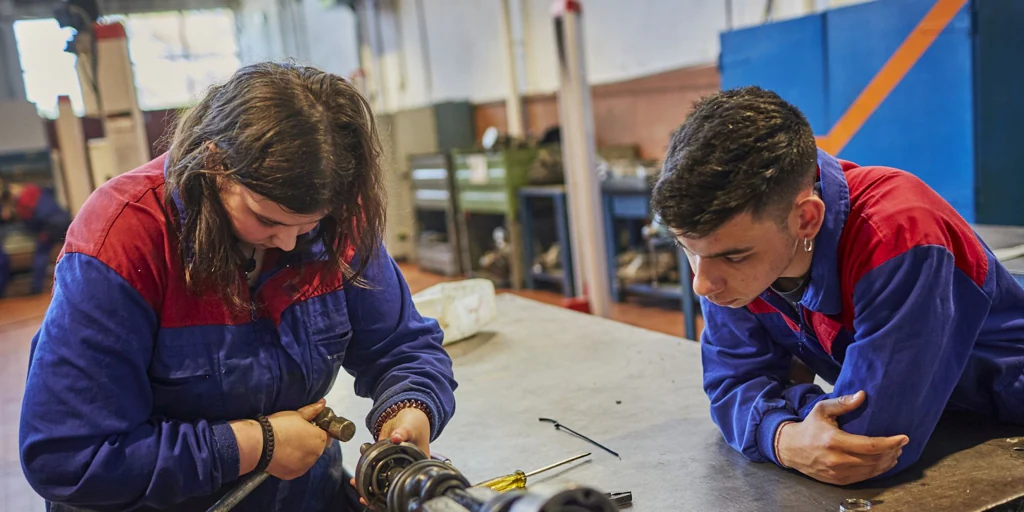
(336, 426)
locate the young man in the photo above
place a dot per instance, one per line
(864, 274)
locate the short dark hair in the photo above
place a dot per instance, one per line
(740, 150)
(301, 137)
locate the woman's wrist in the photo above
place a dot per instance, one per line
(249, 437)
(390, 413)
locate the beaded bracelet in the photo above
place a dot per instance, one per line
(268, 444)
(393, 411)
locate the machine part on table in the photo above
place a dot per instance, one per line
(621, 499)
(551, 498)
(338, 427)
(400, 478)
(517, 480)
(854, 505)
(559, 426)
(379, 465)
(421, 481)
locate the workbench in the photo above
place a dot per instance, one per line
(1002, 237)
(639, 393)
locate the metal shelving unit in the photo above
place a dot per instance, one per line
(436, 213)
(544, 230)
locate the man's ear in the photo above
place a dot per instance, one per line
(811, 214)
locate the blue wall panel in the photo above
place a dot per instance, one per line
(999, 86)
(925, 126)
(786, 57)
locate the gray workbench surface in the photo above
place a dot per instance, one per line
(999, 237)
(542, 361)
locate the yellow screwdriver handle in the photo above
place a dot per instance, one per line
(505, 483)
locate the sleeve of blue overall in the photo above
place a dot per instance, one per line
(395, 353)
(917, 317)
(87, 437)
(746, 377)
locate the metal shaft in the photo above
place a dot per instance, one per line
(557, 464)
(239, 493)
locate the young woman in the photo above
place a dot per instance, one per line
(204, 303)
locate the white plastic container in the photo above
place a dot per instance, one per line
(462, 308)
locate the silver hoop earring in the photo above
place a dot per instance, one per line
(808, 244)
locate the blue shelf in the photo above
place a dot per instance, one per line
(668, 291)
(629, 200)
(555, 194)
(558, 278)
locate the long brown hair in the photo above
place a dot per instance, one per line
(304, 139)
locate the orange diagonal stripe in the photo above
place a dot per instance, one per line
(904, 58)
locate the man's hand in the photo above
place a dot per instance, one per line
(410, 424)
(818, 448)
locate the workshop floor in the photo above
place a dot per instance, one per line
(21, 317)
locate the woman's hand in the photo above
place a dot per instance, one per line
(297, 442)
(409, 425)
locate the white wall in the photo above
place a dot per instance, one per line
(21, 129)
(304, 30)
(331, 37)
(464, 56)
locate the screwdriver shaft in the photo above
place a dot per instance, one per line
(555, 465)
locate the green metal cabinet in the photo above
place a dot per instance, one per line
(488, 182)
(487, 185)
(437, 211)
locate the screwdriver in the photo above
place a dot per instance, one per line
(517, 480)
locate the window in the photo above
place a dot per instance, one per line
(178, 55)
(175, 56)
(48, 71)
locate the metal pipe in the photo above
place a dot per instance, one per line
(513, 101)
(579, 150)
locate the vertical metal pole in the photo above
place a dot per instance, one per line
(78, 179)
(513, 101)
(579, 153)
